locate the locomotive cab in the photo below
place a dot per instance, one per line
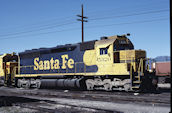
(116, 54)
(117, 59)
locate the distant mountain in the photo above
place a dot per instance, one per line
(162, 58)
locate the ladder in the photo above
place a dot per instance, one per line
(135, 76)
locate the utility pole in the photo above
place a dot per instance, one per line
(82, 20)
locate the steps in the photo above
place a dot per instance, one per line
(136, 81)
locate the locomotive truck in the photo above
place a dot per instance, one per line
(110, 63)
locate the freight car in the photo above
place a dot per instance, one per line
(110, 63)
(162, 71)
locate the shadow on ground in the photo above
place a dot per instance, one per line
(10, 100)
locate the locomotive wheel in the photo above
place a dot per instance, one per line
(22, 83)
(108, 87)
(26, 85)
(127, 87)
(90, 86)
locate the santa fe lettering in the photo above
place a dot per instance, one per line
(53, 63)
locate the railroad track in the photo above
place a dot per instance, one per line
(162, 99)
(51, 101)
(42, 105)
(48, 107)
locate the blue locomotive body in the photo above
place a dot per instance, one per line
(60, 59)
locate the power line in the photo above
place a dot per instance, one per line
(54, 25)
(48, 27)
(57, 19)
(127, 15)
(134, 22)
(101, 18)
(40, 25)
(13, 37)
(129, 7)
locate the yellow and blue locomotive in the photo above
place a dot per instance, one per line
(110, 63)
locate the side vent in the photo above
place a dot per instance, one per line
(87, 45)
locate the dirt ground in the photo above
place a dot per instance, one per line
(33, 101)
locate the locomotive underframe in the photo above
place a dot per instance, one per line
(76, 82)
(108, 82)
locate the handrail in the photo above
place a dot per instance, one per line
(82, 67)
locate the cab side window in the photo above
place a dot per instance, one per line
(103, 51)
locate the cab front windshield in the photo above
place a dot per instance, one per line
(122, 45)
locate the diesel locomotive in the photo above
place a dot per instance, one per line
(110, 63)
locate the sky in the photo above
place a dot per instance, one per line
(31, 24)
